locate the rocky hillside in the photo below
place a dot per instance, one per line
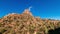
(26, 23)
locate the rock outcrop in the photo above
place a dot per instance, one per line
(26, 23)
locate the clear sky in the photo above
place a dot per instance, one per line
(42, 8)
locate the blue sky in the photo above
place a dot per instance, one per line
(42, 8)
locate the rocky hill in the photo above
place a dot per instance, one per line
(26, 23)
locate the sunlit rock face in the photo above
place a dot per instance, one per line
(26, 23)
(26, 11)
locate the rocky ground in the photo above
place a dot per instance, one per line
(26, 23)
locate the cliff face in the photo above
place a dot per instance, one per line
(26, 23)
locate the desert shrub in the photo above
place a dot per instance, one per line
(2, 30)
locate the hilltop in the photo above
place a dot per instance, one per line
(26, 23)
